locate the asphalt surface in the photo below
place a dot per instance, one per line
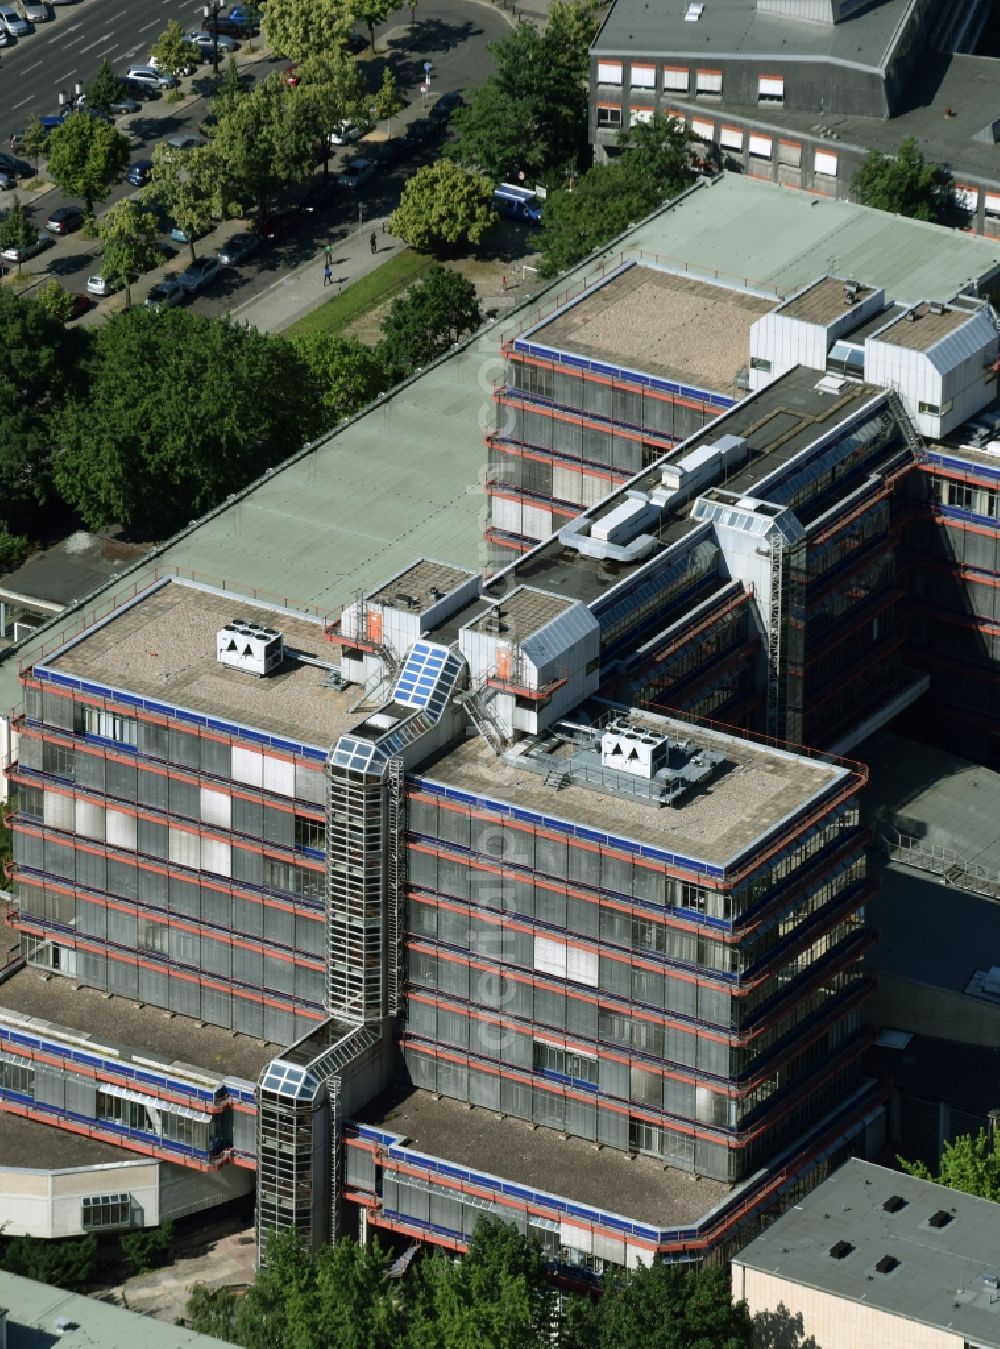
(452, 34)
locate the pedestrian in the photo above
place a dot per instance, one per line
(13, 141)
(503, 284)
(327, 275)
(374, 243)
(328, 254)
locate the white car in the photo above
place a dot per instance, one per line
(343, 133)
(99, 285)
(206, 43)
(154, 64)
(16, 253)
(152, 78)
(12, 22)
(33, 11)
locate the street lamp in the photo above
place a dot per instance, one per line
(212, 11)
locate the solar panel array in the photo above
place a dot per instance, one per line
(428, 676)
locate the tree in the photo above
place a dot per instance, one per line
(330, 91)
(530, 116)
(499, 1293)
(186, 183)
(67, 1264)
(664, 1306)
(86, 156)
(35, 140)
(180, 411)
(442, 205)
(655, 156)
(969, 1164)
(346, 373)
(423, 323)
(370, 13)
(297, 28)
(105, 89)
(131, 245)
(266, 141)
(55, 300)
(173, 51)
(388, 100)
(903, 185)
(231, 90)
(570, 28)
(17, 230)
(149, 1247)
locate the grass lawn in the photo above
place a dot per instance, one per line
(363, 295)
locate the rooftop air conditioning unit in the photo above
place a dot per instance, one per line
(630, 749)
(250, 647)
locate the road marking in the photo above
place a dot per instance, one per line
(22, 102)
(63, 32)
(96, 44)
(60, 78)
(27, 68)
(148, 26)
(120, 15)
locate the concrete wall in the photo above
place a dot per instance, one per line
(903, 1004)
(49, 1203)
(831, 1322)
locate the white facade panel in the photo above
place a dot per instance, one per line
(278, 776)
(770, 86)
(57, 811)
(708, 82)
(760, 146)
(536, 523)
(247, 766)
(216, 857)
(703, 129)
(216, 808)
(643, 77)
(731, 138)
(120, 829)
(676, 80)
(184, 849)
(89, 820)
(581, 966)
(609, 72)
(576, 1238)
(550, 957)
(825, 163)
(505, 514)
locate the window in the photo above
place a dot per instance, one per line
(643, 1137)
(708, 84)
(105, 1210)
(790, 154)
(770, 89)
(29, 801)
(568, 1063)
(292, 879)
(702, 130)
(310, 833)
(643, 77)
(127, 1113)
(825, 164)
(17, 1075)
(967, 198)
(760, 363)
(760, 146)
(609, 72)
(676, 79)
(566, 962)
(731, 138)
(992, 204)
(59, 760)
(608, 116)
(106, 725)
(935, 409)
(639, 116)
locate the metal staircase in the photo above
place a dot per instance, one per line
(775, 701)
(395, 882)
(910, 433)
(476, 701)
(376, 690)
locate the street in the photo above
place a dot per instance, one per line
(452, 34)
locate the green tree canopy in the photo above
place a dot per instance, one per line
(105, 89)
(17, 229)
(131, 245)
(232, 89)
(423, 323)
(330, 91)
(181, 410)
(67, 1264)
(297, 28)
(971, 1165)
(531, 114)
(444, 205)
(36, 140)
(266, 141)
(188, 185)
(55, 300)
(86, 156)
(173, 51)
(347, 374)
(903, 184)
(370, 13)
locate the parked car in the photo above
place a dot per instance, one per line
(64, 220)
(152, 78)
(279, 225)
(34, 11)
(81, 304)
(165, 293)
(12, 22)
(356, 173)
(344, 133)
(228, 27)
(140, 90)
(238, 249)
(124, 106)
(180, 236)
(200, 273)
(99, 285)
(21, 253)
(446, 106)
(139, 171)
(184, 141)
(155, 64)
(420, 131)
(16, 168)
(7, 180)
(53, 119)
(5, 38)
(322, 190)
(205, 43)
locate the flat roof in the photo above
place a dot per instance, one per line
(418, 581)
(523, 612)
(33, 1146)
(939, 1275)
(403, 480)
(927, 327)
(35, 1309)
(677, 327)
(68, 570)
(823, 302)
(717, 824)
(131, 1028)
(641, 1189)
(164, 647)
(735, 28)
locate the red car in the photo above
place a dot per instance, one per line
(291, 78)
(279, 225)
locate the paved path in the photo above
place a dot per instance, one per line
(163, 1293)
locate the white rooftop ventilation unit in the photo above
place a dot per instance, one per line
(694, 11)
(630, 749)
(250, 647)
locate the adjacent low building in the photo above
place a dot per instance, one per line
(873, 1257)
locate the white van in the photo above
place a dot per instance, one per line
(153, 79)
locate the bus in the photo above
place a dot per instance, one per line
(518, 203)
